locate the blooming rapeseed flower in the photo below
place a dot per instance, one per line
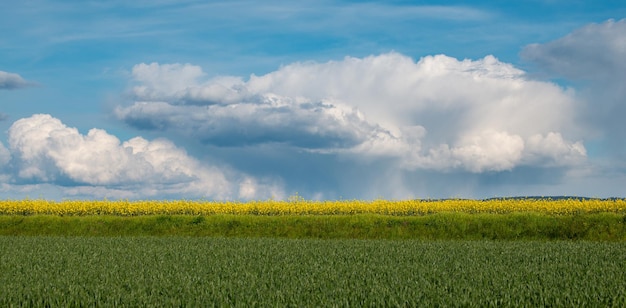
(299, 206)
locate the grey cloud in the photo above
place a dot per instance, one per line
(5, 156)
(592, 57)
(595, 51)
(11, 81)
(261, 119)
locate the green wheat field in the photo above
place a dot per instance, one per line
(298, 253)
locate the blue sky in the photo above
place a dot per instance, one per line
(329, 99)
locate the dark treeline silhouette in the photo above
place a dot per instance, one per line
(556, 198)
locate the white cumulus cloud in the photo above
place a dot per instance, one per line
(44, 150)
(435, 113)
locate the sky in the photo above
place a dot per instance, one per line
(251, 100)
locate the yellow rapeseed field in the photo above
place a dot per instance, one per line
(299, 206)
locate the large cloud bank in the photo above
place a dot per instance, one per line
(43, 150)
(438, 113)
(380, 126)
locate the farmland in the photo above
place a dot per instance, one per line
(295, 205)
(510, 219)
(200, 271)
(509, 252)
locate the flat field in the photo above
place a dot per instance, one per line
(470, 253)
(511, 219)
(446, 226)
(298, 206)
(203, 271)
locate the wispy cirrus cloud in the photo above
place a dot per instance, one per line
(116, 18)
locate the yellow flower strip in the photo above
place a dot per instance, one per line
(298, 206)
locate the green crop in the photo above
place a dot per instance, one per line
(515, 226)
(184, 271)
